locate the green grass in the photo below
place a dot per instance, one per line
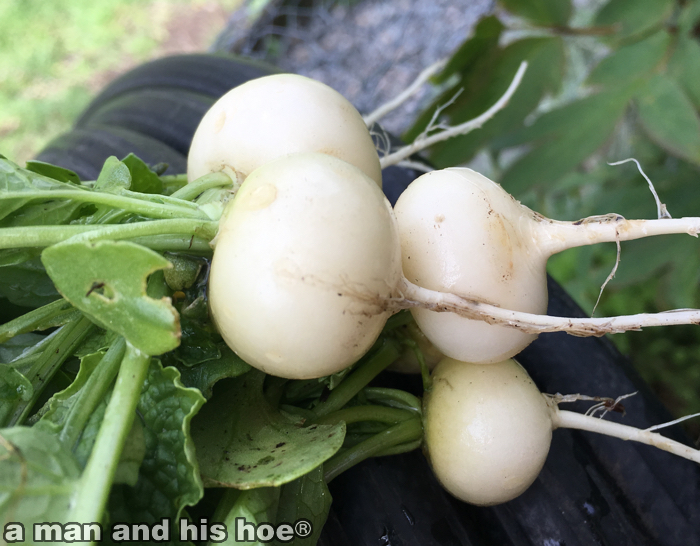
(55, 55)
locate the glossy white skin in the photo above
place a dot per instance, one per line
(487, 430)
(462, 233)
(269, 117)
(305, 259)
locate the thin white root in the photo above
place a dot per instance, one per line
(406, 94)
(416, 166)
(604, 404)
(612, 273)
(674, 422)
(661, 210)
(570, 419)
(529, 323)
(425, 141)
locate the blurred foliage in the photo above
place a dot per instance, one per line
(55, 55)
(606, 81)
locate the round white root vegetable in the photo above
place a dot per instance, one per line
(463, 234)
(487, 430)
(269, 117)
(306, 259)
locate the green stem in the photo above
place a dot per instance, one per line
(400, 448)
(401, 433)
(402, 318)
(62, 346)
(92, 393)
(359, 379)
(43, 236)
(175, 243)
(196, 188)
(139, 205)
(96, 481)
(173, 182)
(394, 398)
(48, 316)
(357, 414)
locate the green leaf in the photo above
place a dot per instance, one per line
(169, 476)
(540, 12)
(205, 375)
(184, 272)
(107, 281)
(255, 506)
(114, 176)
(143, 179)
(14, 386)
(485, 38)
(27, 283)
(669, 119)
(634, 18)
(308, 498)
(52, 171)
(16, 345)
(44, 214)
(37, 476)
(243, 442)
(60, 403)
(15, 179)
(685, 67)
(567, 135)
(637, 60)
(486, 83)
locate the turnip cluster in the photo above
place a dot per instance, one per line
(311, 260)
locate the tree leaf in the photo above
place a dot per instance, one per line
(636, 60)
(143, 179)
(485, 37)
(567, 136)
(636, 17)
(243, 442)
(107, 281)
(684, 66)
(484, 87)
(669, 119)
(37, 474)
(169, 476)
(540, 12)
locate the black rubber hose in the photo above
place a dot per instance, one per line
(208, 74)
(168, 115)
(85, 150)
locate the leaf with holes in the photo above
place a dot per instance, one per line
(243, 442)
(107, 281)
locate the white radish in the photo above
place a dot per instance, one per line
(462, 233)
(273, 116)
(488, 430)
(306, 262)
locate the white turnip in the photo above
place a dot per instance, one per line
(276, 115)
